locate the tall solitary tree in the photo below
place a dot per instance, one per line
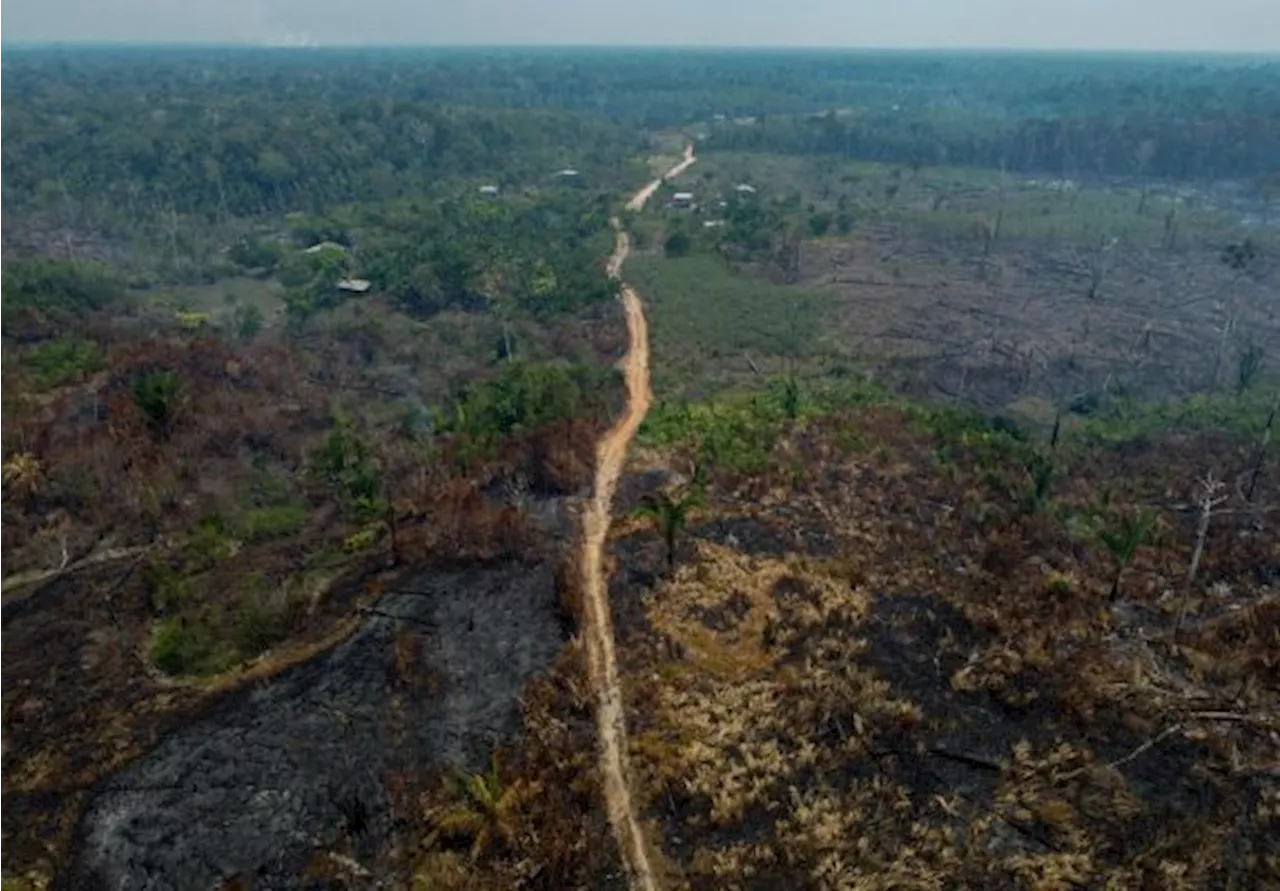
(669, 514)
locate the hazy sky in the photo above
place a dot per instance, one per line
(1245, 25)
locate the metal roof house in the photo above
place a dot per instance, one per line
(488, 190)
(325, 246)
(354, 285)
(682, 199)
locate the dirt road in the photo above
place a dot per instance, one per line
(642, 197)
(611, 454)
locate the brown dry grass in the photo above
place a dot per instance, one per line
(946, 700)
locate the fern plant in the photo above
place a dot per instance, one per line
(487, 811)
(1133, 530)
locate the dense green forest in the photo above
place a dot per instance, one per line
(237, 130)
(230, 131)
(139, 144)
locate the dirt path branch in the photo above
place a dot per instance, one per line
(611, 454)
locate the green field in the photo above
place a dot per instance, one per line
(706, 321)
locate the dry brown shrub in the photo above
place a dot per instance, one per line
(569, 589)
(561, 457)
(455, 521)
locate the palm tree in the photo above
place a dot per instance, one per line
(669, 514)
(487, 812)
(1133, 531)
(23, 472)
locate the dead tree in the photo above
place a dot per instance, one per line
(1208, 501)
(1098, 264)
(1230, 313)
(1263, 442)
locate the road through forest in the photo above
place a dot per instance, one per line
(611, 454)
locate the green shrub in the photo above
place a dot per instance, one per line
(734, 433)
(262, 617)
(678, 244)
(961, 434)
(171, 587)
(62, 361)
(184, 647)
(254, 253)
(275, 521)
(529, 395)
(346, 463)
(157, 394)
(56, 287)
(248, 321)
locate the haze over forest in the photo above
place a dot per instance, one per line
(1140, 25)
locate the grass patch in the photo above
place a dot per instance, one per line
(705, 319)
(208, 639)
(274, 521)
(1125, 421)
(183, 647)
(738, 430)
(224, 302)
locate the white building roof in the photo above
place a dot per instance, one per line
(325, 246)
(356, 285)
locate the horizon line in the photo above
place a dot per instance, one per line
(79, 43)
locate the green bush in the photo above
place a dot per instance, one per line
(734, 433)
(62, 361)
(345, 461)
(529, 395)
(183, 647)
(276, 521)
(253, 253)
(678, 244)
(157, 394)
(262, 617)
(248, 321)
(55, 287)
(964, 434)
(820, 223)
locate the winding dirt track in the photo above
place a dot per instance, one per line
(611, 454)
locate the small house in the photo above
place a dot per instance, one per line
(682, 200)
(326, 246)
(567, 172)
(354, 285)
(488, 190)
(744, 189)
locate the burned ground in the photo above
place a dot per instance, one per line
(947, 696)
(300, 764)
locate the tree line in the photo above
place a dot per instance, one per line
(110, 141)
